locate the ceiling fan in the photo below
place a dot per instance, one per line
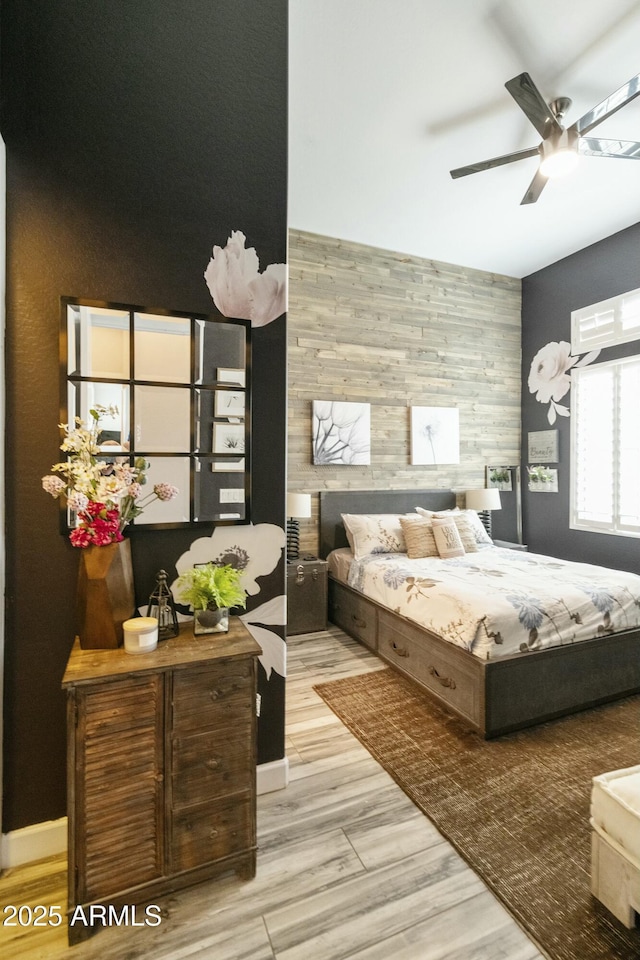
(560, 146)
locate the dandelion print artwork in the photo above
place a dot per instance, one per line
(341, 433)
(435, 435)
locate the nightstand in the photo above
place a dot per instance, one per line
(307, 583)
(511, 546)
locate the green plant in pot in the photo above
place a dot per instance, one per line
(210, 590)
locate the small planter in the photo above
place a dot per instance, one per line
(212, 620)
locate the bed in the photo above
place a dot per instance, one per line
(494, 687)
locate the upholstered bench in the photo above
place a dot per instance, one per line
(615, 842)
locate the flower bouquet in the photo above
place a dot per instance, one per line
(105, 495)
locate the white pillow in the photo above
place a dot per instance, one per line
(447, 537)
(369, 533)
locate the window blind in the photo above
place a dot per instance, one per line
(605, 447)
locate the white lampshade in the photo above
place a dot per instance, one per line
(483, 499)
(299, 505)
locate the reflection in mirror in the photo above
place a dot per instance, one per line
(162, 419)
(506, 522)
(97, 342)
(162, 348)
(220, 348)
(220, 490)
(181, 387)
(174, 470)
(84, 395)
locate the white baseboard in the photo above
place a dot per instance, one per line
(40, 840)
(273, 776)
(35, 842)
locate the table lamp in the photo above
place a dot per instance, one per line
(298, 507)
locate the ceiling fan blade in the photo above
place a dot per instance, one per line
(597, 147)
(535, 188)
(532, 103)
(627, 92)
(494, 162)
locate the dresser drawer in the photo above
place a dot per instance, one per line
(212, 765)
(353, 614)
(451, 675)
(213, 697)
(210, 831)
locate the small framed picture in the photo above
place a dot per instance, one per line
(229, 403)
(543, 446)
(228, 438)
(231, 375)
(228, 465)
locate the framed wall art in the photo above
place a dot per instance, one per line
(341, 433)
(435, 435)
(543, 446)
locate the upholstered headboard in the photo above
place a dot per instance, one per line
(335, 502)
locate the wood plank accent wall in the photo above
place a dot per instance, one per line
(396, 331)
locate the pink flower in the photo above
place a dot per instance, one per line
(165, 491)
(78, 501)
(80, 537)
(54, 485)
(133, 490)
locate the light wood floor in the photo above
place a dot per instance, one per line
(347, 866)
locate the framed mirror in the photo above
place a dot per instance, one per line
(179, 388)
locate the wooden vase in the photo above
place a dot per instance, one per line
(105, 596)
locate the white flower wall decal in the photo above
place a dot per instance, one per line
(549, 376)
(239, 289)
(256, 550)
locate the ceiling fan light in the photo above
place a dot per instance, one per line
(559, 163)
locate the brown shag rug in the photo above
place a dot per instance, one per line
(515, 808)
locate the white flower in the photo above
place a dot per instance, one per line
(548, 377)
(257, 551)
(239, 289)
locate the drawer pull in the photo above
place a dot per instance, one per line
(213, 834)
(401, 651)
(212, 764)
(358, 622)
(445, 681)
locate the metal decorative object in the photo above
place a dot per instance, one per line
(162, 607)
(559, 143)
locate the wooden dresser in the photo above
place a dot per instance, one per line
(161, 768)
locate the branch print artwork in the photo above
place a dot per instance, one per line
(341, 433)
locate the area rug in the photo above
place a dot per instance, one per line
(516, 808)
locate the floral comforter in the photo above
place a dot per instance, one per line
(497, 602)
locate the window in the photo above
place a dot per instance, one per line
(607, 323)
(605, 448)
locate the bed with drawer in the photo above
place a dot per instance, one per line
(504, 639)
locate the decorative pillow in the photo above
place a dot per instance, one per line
(447, 538)
(480, 535)
(369, 533)
(418, 535)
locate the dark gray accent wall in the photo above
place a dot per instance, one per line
(139, 134)
(596, 273)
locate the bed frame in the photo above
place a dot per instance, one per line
(493, 696)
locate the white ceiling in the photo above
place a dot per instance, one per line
(386, 96)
